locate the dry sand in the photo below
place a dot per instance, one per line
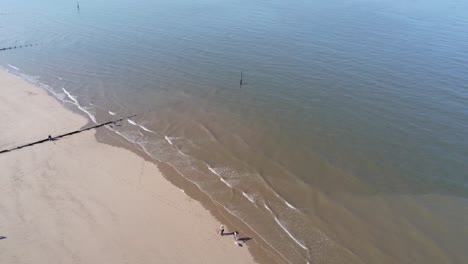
(75, 200)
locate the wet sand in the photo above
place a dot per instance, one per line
(75, 200)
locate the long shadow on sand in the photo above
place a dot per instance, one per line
(2, 237)
(244, 239)
(240, 241)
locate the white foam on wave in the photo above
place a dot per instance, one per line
(112, 113)
(46, 87)
(251, 228)
(217, 171)
(180, 152)
(290, 235)
(268, 208)
(235, 214)
(73, 98)
(60, 96)
(251, 197)
(168, 139)
(135, 124)
(34, 80)
(225, 182)
(200, 186)
(146, 129)
(286, 202)
(11, 66)
(289, 205)
(214, 171)
(75, 101)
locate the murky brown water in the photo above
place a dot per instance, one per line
(346, 143)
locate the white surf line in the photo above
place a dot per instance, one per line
(212, 199)
(219, 204)
(220, 177)
(47, 88)
(168, 139)
(142, 127)
(183, 154)
(284, 228)
(79, 106)
(251, 228)
(290, 235)
(146, 129)
(112, 113)
(268, 208)
(225, 182)
(289, 205)
(132, 122)
(251, 199)
(213, 171)
(11, 66)
(286, 202)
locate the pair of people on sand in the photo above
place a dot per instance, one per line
(235, 233)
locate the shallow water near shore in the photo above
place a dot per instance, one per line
(346, 141)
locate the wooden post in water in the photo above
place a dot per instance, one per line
(241, 80)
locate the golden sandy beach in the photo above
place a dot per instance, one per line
(75, 200)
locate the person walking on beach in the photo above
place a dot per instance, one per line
(236, 239)
(50, 138)
(221, 230)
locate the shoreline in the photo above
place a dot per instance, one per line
(380, 213)
(47, 211)
(260, 250)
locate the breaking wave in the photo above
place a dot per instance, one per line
(289, 205)
(11, 66)
(250, 197)
(290, 235)
(146, 129)
(75, 102)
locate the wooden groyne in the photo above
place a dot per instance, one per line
(65, 135)
(19, 46)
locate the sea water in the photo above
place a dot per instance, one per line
(347, 141)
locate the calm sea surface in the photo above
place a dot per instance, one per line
(347, 143)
